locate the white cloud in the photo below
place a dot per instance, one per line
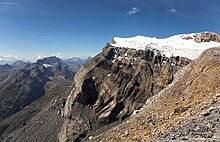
(40, 57)
(12, 57)
(133, 10)
(182, 2)
(9, 3)
(9, 58)
(59, 55)
(173, 10)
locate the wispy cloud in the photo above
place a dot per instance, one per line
(182, 2)
(9, 3)
(133, 10)
(40, 56)
(59, 55)
(173, 10)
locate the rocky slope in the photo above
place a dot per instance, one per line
(44, 126)
(187, 110)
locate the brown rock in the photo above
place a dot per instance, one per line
(207, 37)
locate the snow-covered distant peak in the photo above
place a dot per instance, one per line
(184, 45)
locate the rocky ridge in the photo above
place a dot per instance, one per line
(114, 84)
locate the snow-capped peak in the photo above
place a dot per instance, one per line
(184, 45)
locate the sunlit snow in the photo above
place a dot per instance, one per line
(171, 46)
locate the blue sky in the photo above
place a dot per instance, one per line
(81, 28)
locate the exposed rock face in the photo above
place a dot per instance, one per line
(187, 38)
(207, 37)
(113, 41)
(188, 109)
(111, 86)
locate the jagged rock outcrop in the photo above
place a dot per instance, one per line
(114, 84)
(207, 37)
(187, 110)
(204, 37)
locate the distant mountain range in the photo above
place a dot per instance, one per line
(25, 88)
(77, 60)
(16, 60)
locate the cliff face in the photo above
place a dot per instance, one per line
(188, 109)
(114, 84)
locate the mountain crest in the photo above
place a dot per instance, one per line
(48, 60)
